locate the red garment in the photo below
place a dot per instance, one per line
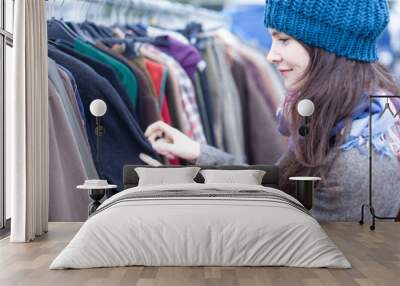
(157, 72)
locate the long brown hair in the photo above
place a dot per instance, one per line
(335, 85)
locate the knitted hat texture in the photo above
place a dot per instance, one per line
(348, 28)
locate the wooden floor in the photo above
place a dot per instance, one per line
(375, 257)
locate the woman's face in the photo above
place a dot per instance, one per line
(290, 57)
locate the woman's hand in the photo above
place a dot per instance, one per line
(171, 142)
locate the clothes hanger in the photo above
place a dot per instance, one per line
(133, 14)
(105, 31)
(387, 106)
(94, 28)
(129, 51)
(397, 114)
(56, 42)
(57, 29)
(91, 29)
(157, 41)
(52, 43)
(191, 31)
(100, 30)
(131, 40)
(140, 32)
(137, 29)
(76, 28)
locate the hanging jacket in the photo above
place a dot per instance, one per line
(124, 140)
(126, 77)
(105, 71)
(79, 135)
(146, 105)
(66, 166)
(264, 144)
(186, 55)
(158, 75)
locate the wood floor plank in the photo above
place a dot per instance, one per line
(375, 258)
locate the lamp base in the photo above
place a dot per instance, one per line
(96, 195)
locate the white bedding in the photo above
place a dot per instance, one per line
(183, 231)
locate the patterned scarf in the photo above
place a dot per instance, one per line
(385, 127)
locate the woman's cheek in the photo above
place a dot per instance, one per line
(287, 82)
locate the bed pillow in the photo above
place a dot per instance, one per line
(163, 176)
(248, 177)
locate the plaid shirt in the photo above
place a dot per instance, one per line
(188, 97)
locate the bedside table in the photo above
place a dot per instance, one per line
(305, 190)
(96, 193)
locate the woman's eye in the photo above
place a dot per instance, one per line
(283, 40)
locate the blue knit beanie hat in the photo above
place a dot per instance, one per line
(348, 28)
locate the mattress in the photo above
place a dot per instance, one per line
(201, 225)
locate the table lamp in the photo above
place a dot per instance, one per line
(305, 108)
(98, 108)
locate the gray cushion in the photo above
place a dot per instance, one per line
(162, 176)
(247, 177)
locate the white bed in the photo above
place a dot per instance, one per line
(201, 225)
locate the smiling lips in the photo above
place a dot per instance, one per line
(284, 72)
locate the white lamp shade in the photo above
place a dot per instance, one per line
(305, 107)
(98, 107)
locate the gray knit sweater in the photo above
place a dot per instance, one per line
(340, 196)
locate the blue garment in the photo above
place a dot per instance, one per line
(76, 92)
(77, 131)
(348, 28)
(104, 70)
(359, 132)
(205, 92)
(123, 140)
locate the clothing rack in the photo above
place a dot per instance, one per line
(370, 203)
(127, 11)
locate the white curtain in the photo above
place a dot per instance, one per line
(27, 124)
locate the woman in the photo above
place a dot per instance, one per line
(326, 52)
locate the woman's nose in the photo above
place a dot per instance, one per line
(273, 57)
